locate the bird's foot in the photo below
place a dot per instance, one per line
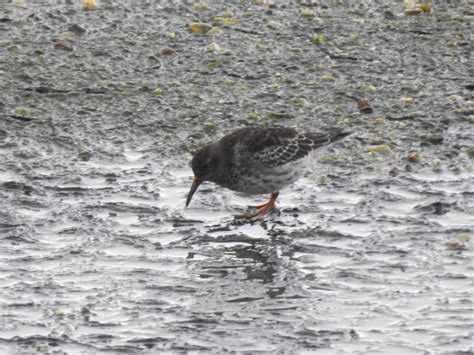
(251, 214)
(257, 207)
(261, 209)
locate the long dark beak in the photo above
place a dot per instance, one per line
(196, 182)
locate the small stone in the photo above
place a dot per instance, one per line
(133, 312)
(452, 44)
(214, 31)
(200, 6)
(63, 46)
(376, 141)
(382, 292)
(464, 110)
(377, 121)
(76, 29)
(470, 153)
(166, 51)
(273, 24)
(89, 4)
(381, 148)
(410, 5)
(413, 12)
(456, 98)
(225, 21)
(13, 48)
(364, 106)
(21, 111)
(213, 47)
(305, 12)
(186, 156)
(42, 347)
(59, 312)
(407, 101)
(69, 34)
(413, 157)
(85, 155)
(455, 245)
(362, 103)
(389, 15)
(18, 3)
(198, 27)
(369, 88)
(327, 78)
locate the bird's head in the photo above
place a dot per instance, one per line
(205, 165)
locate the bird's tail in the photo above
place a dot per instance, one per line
(336, 134)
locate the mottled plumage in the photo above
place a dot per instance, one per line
(258, 160)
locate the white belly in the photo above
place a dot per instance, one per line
(263, 180)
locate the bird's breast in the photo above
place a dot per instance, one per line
(261, 179)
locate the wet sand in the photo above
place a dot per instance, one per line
(369, 253)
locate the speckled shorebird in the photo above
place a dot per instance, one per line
(258, 160)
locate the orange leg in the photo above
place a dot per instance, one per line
(261, 209)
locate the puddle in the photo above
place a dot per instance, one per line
(369, 253)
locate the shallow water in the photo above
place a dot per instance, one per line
(369, 253)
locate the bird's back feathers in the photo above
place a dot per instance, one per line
(273, 146)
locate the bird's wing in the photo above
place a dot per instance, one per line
(276, 146)
(273, 146)
(291, 149)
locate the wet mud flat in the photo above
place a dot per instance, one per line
(371, 252)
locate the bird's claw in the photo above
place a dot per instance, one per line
(261, 209)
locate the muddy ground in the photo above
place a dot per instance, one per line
(369, 253)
